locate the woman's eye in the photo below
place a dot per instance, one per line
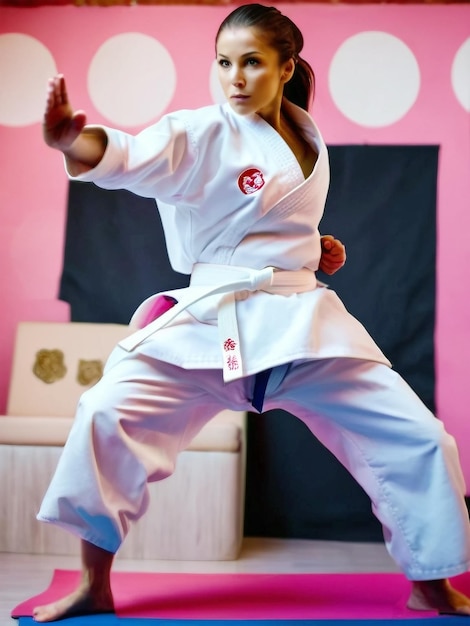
(224, 63)
(252, 62)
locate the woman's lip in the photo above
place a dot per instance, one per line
(239, 96)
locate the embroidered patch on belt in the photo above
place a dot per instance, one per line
(229, 344)
(231, 360)
(250, 180)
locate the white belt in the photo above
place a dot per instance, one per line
(207, 280)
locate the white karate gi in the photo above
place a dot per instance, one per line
(233, 201)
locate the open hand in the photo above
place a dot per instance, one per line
(61, 125)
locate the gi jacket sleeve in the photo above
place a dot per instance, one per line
(155, 163)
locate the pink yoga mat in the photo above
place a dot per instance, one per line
(251, 596)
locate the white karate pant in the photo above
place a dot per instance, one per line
(130, 427)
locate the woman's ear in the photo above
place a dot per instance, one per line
(289, 69)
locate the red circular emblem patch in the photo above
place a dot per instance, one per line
(250, 181)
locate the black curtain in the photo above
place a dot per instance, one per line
(115, 254)
(382, 205)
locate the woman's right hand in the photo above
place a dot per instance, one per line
(61, 125)
(65, 129)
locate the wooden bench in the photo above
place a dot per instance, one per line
(195, 514)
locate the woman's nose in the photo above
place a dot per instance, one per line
(237, 77)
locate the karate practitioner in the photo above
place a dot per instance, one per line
(241, 188)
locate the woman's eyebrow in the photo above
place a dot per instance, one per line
(246, 54)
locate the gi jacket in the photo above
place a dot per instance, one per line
(231, 192)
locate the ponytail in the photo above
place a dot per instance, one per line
(301, 88)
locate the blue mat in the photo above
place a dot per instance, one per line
(112, 620)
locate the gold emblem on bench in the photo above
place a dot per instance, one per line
(89, 372)
(49, 365)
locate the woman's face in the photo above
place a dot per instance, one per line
(250, 73)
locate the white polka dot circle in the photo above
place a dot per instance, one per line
(132, 79)
(461, 75)
(25, 66)
(374, 79)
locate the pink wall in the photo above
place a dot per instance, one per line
(426, 100)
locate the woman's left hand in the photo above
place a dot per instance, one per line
(333, 254)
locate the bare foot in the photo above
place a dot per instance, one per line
(438, 595)
(80, 602)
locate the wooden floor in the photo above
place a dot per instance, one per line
(22, 576)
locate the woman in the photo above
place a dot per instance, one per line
(241, 189)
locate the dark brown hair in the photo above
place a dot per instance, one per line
(286, 38)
